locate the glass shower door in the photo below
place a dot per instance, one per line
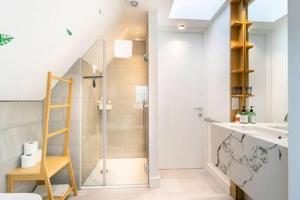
(91, 126)
(126, 159)
(114, 118)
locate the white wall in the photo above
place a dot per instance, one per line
(294, 98)
(180, 64)
(279, 70)
(217, 65)
(94, 56)
(42, 44)
(217, 92)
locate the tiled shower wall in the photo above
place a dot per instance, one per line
(19, 122)
(126, 135)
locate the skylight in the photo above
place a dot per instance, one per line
(267, 10)
(195, 9)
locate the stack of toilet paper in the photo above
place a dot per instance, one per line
(32, 154)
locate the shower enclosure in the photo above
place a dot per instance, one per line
(114, 141)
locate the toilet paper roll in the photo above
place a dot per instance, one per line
(30, 147)
(28, 160)
(38, 155)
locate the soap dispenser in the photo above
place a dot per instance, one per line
(251, 115)
(244, 116)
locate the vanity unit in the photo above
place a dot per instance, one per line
(255, 157)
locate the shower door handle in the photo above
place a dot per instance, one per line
(198, 109)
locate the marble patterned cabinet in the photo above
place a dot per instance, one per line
(258, 166)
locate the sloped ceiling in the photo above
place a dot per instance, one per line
(41, 42)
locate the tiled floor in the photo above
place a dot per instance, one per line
(175, 185)
(126, 171)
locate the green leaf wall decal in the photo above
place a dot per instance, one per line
(5, 39)
(69, 32)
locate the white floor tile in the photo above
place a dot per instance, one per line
(175, 185)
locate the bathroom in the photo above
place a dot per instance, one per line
(156, 88)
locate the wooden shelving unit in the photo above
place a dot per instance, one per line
(50, 165)
(239, 57)
(240, 70)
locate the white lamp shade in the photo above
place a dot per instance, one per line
(123, 48)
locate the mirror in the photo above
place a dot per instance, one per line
(269, 59)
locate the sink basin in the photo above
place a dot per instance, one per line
(283, 128)
(263, 132)
(244, 127)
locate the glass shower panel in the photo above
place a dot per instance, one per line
(91, 132)
(127, 119)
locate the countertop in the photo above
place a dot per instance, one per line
(276, 133)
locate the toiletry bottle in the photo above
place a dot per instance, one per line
(252, 116)
(244, 116)
(237, 117)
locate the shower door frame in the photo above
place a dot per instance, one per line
(103, 130)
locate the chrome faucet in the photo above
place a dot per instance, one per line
(286, 119)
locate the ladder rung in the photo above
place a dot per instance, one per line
(59, 106)
(62, 79)
(57, 132)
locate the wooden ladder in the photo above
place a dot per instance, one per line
(50, 165)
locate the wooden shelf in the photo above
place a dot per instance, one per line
(238, 23)
(237, 71)
(248, 24)
(54, 164)
(236, 45)
(242, 95)
(249, 46)
(249, 95)
(237, 95)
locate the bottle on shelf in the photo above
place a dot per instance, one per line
(251, 115)
(244, 116)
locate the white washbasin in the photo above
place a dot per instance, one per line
(284, 128)
(264, 132)
(243, 127)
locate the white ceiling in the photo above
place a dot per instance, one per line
(166, 23)
(267, 10)
(137, 17)
(195, 9)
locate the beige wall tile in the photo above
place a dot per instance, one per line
(126, 137)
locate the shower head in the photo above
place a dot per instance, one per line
(95, 69)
